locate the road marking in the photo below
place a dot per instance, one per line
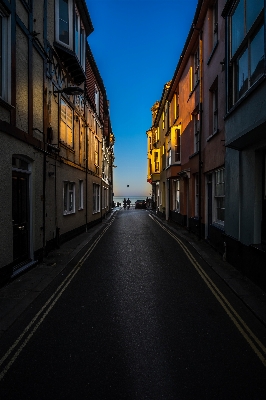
(32, 327)
(246, 332)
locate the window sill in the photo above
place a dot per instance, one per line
(66, 146)
(69, 212)
(193, 155)
(81, 208)
(6, 105)
(193, 90)
(213, 51)
(218, 225)
(244, 97)
(211, 136)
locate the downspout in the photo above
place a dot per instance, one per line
(200, 133)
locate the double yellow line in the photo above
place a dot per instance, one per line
(14, 351)
(245, 331)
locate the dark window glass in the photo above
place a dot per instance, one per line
(238, 26)
(63, 21)
(253, 8)
(242, 74)
(257, 56)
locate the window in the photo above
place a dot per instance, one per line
(196, 67)
(156, 162)
(66, 127)
(177, 145)
(215, 109)
(219, 195)
(96, 151)
(246, 58)
(169, 152)
(196, 118)
(80, 39)
(5, 59)
(96, 198)
(80, 195)
(215, 23)
(64, 24)
(97, 100)
(69, 197)
(70, 31)
(177, 196)
(196, 195)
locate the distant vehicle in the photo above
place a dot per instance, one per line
(140, 204)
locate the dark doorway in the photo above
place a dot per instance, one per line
(20, 216)
(263, 221)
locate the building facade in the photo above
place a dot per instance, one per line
(245, 140)
(56, 136)
(211, 123)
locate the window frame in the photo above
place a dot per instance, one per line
(196, 123)
(219, 195)
(67, 191)
(71, 27)
(235, 55)
(96, 203)
(65, 140)
(81, 194)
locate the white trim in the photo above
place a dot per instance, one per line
(70, 14)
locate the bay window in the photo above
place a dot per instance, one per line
(246, 50)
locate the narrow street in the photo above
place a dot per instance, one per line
(139, 315)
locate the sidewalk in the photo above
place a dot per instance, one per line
(16, 296)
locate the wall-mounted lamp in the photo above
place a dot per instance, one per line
(74, 90)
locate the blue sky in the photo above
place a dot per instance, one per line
(136, 45)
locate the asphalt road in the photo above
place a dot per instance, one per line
(139, 315)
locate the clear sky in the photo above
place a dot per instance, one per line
(136, 45)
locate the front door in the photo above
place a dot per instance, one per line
(20, 216)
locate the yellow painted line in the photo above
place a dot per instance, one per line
(246, 332)
(46, 308)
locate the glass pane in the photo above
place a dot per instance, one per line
(253, 9)
(63, 21)
(69, 136)
(63, 131)
(257, 56)
(242, 74)
(70, 201)
(77, 34)
(237, 26)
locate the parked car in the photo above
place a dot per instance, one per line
(140, 204)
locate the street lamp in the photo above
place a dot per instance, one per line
(74, 90)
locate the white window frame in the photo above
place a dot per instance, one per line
(68, 197)
(70, 14)
(96, 198)
(5, 93)
(169, 152)
(178, 145)
(97, 100)
(80, 46)
(177, 195)
(219, 194)
(196, 118)
(81, 193)
(196, 67)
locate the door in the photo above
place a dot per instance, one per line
(20, 216)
